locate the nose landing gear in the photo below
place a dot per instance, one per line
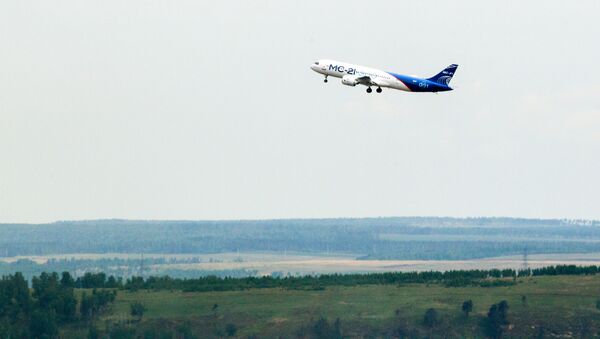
(325, 79)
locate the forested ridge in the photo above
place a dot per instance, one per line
(372, 238)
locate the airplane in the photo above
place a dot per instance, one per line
(353, 75)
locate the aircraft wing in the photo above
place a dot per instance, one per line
(365, 80)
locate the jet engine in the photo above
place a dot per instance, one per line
(349, 80)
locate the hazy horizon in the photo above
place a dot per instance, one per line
(568, 220)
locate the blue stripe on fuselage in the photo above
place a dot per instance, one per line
(420, 85)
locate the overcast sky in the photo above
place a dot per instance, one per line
(208, 110)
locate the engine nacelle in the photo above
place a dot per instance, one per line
(349, 80)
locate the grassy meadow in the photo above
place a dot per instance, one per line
(546, 305)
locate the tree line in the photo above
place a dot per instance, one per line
(457, 278)
(37, 312)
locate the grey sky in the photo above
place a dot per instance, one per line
(208, 109)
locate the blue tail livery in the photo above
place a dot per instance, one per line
(353, 75)
(444, 76)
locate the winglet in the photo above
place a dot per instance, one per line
(444, 76)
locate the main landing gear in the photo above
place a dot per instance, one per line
(378, 89)
(369, 90)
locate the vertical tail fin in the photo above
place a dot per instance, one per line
(444, 76)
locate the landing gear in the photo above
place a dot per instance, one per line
(325, 79)
(369, 90)
(378, 89)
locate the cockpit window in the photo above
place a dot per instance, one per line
(316, 63)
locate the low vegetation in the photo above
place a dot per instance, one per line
(556, 306)
(557, 301)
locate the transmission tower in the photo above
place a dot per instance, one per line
(525, 260)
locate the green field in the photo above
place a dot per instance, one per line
(561, 305)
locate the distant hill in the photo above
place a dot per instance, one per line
(381, 238)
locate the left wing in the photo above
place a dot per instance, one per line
(368, 81)
(365, 80)
(351, 80)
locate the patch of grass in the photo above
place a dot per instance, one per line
(556, 302)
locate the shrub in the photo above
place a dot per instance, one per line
(230, 330)
(431, 318)
(137, 309)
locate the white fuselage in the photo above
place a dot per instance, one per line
(343, 70)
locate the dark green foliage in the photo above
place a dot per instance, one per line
(399, 328)
(459, 282)
(45, 288)
(16, 306)
(158, 333)
(52, 304)
(95, 303)
(212, 283)
(495, 283)
(230, 329)
(431, 318)
(93, 332)
(19, 305)
(55, 296)
(185, 331)
(66, 281)
(541, 332)
(112, 282)
(322, 329)
(15, 299)
(43, 324)
(585, 327)
(136, 283)
(467, 307)
(137, 309)
(86, 308)
(566, 270)
(482, 278)
(121, 331)
(91, 280)
(337, 328)
(497, 319)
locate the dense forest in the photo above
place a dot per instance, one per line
(39, 311)
(373, 238)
